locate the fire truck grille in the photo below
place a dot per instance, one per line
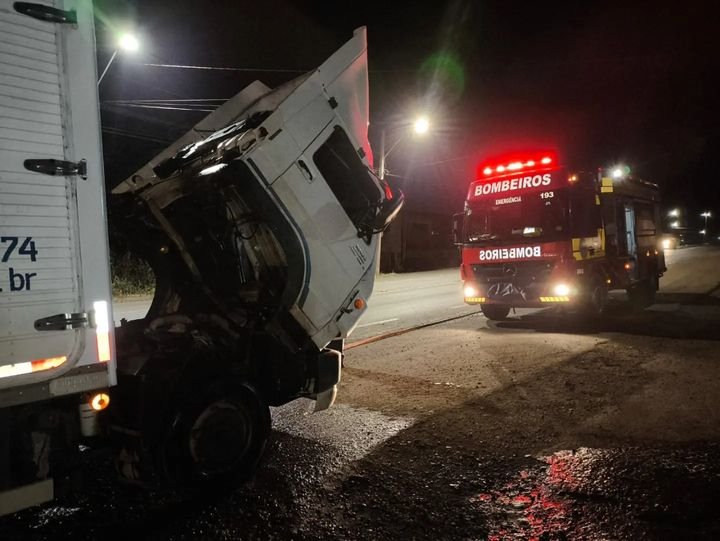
(521, 273)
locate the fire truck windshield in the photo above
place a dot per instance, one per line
(540, 216)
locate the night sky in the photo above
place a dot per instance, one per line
(603, 82)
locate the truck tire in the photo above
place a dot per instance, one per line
(596, 303)
(495, 312)
(216, 441)
(642, 294)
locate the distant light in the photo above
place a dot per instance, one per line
(422, 125)
(703, 232)
(618, 173)
(572, 178)
(674, 213)
(546, 160)
(666, 244)
(128, 43)
(706, 214)
(675, 225)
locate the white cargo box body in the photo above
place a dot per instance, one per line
(53, 229)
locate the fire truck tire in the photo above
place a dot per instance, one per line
(597, 301)
(495, 312)
(642, 295)
(218, 440)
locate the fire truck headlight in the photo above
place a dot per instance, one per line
(666, 244)
(471, 291)
(561, 290)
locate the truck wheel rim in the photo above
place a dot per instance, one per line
(220, 437)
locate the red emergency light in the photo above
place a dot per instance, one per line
(525, 161)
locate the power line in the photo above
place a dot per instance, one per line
(179, 100)
(165, 107)
(134, 135)
(219, 68)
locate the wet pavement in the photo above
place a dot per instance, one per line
(354, 474)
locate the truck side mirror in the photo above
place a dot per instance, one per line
(457, 226)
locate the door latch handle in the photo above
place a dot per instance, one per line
(62, 322)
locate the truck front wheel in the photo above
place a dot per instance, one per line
(217, 440)
(495, 312)
(597, 300)
(642, 295)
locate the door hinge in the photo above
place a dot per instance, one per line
(57, 167)
(63, 322)
(46, 13)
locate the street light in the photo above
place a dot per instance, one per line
(674, 213)
(421, 125)
(707, 214)
(126, 42)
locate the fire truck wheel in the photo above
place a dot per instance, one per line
(642, 295)
(597, 303)
(495, 312)
(217, 441)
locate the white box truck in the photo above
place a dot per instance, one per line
(261, 226)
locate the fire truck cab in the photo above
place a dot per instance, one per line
(537, 233)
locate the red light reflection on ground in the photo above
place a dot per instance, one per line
(532, 506)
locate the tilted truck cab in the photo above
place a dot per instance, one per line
(261, 225)
(537, 233)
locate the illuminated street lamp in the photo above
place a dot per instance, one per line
(707, 214)
(421, 126)
(674, 213)
(126, 42)
(675, 225)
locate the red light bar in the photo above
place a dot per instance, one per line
(517, 162)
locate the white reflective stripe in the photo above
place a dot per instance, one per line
(15, 369)
(102, 330)
(18, 369)
(101, 316)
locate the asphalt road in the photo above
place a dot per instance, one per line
(541, 427)
(399, 301)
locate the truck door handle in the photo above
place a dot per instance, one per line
(62, 322)
(46, 13)
(57, 167)
(305, 170)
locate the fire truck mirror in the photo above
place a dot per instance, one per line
(457, 221)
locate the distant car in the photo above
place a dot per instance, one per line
(672, 240)
(668, 241)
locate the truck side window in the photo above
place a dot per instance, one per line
(585, 214)
(645, 219)
(348, 178)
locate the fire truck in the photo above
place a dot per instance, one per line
(536, 232)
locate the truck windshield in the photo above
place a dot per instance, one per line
(539, 216)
